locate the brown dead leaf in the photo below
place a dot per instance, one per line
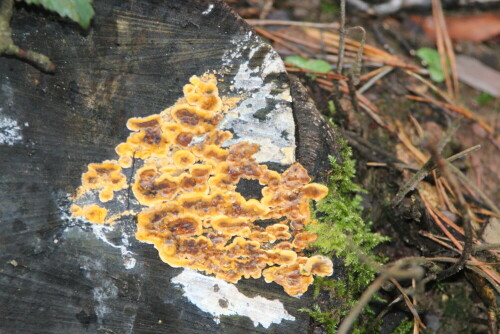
(474, 28)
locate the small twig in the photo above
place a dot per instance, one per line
(454, 260)
(9, 48)
(436, 239)
(385, 70)
(447, 55)
(342, 35)
(365, 298)
(483, 211)
(457, 228)
(426, 168)
(398, 166)
(437, 12)
(352, 93)
(268, 6)
(417, 126)
(255, 22)
(406, 141)
(464, 210)
(493, 275)
(463, 153)
(461, 111)
(371, 151)
(280, 41)
(382, 313)
(337, 95)
(409, 304)
(485, 246)
(395, 271)
(481, 194)
(355, 71)
(429, 84)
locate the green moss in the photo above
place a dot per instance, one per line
(405, 327)
(343, 233)
(324, 318)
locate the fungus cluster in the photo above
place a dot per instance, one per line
(192, 212)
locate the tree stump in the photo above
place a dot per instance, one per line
(58, 276)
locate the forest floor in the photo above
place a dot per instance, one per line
(408, 109)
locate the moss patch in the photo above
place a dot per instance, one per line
(343, 234)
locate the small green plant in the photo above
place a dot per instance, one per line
(343, 233)
(315, 65)
(331, 107)
(432, 59)
(329, 7)
(324, 318)
(484, 98)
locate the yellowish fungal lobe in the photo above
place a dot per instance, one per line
(193, 214)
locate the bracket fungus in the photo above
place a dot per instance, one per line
(185, 182)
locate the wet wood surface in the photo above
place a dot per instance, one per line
(56, 277)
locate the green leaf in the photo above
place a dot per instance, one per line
(328, 7)
(484, 99)
(80, 11)
(315, 65)
(331, 107)
(433, 60)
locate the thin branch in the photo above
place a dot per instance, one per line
(342, 35)
(9, 48)
(435, 239)
(352, 93)
(382, 313)
(481, 194)
(427, 167)
(466, 216)
(409, 304)
(385, 70)
(355, 71)
(485, 246)
(255, 22)
(395, 271)
(438, 17)
(340, 60)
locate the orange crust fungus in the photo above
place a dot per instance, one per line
(106, 177)
(194, 215)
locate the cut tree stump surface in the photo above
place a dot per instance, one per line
(58, 275)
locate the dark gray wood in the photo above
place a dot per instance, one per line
(316, 138)
(56, 277)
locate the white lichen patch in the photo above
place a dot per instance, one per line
(100, 232)
(219, 298)
(10, 131)
(103, 233)
(264, 115)
(208, 10)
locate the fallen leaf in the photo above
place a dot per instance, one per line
(476, 74)
(474, 28)
(491, 233)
